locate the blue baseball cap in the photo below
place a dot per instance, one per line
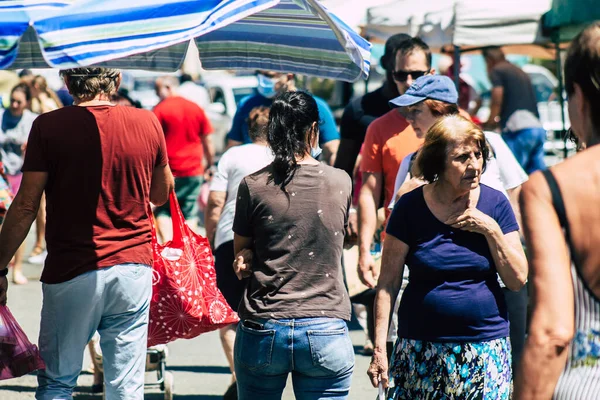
(434, 87)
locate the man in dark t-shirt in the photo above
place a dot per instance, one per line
(514, 107)
(100, 166)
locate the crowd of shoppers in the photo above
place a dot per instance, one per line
(447, 304)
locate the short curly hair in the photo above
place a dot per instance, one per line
(86, 83)
(446, 133)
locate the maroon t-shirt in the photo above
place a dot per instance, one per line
(99, 162)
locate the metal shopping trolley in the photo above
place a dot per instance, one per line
(156, 360)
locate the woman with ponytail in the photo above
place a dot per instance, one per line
(289, 229)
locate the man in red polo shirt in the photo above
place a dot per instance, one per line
(187, 133)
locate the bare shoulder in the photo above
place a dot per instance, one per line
(535, 190)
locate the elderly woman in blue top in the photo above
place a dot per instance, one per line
(454, 234)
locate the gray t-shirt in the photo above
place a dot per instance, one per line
(298, 240)
(14, 132)
(518, 92)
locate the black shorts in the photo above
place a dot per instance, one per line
(227, 282)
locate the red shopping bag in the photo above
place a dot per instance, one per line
(185, 299)
(17, 355)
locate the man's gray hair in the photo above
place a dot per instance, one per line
(86, 83)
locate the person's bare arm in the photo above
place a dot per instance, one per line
(496, 100)
(214, 208)
(553, 321)
(509, 258)
(21, 214)
(209, 149)
(368, 201)
(346, 155)
(162, 185)
(513, 197)
(232, 143)
(330, 150)
(242, 248)
(390, 281)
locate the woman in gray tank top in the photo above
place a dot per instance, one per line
(561, 218)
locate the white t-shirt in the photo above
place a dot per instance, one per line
(194, 93)
(235, 164)
(503, 172)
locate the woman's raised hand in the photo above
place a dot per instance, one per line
(471, 220)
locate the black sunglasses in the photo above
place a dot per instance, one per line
(402, 76)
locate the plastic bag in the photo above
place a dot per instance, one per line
(17, 355)
(185, 299)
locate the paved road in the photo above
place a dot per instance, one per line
(199, 366)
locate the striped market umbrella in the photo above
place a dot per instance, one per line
(15, 18)
(298, 36)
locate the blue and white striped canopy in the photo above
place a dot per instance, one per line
(297, 36)
(15, 19)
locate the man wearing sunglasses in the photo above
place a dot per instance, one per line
(388, 140)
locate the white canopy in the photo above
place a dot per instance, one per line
(352, 12)
(465, 23)
(401, 16)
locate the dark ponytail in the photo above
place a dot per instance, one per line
(291, 117)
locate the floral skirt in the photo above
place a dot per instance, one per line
(435, 370)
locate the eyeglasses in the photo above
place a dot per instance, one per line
(402, 76)
(15, 101)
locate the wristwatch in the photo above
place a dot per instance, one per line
(3, 272)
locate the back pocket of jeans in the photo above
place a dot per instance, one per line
(331, 350)
(254, 347)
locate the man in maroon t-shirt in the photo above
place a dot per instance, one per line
(100, 166)
(187, 133)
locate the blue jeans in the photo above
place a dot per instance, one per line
(317, 351)
(114, 301)
(528, 147)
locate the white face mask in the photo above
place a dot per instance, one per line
(316, 151)
(266, 86)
